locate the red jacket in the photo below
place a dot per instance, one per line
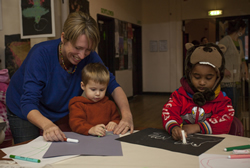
(84, 113)
(215, 117)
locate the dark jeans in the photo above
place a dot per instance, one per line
(22, 130)
(234, 94)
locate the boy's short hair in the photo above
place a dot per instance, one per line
(96, 72)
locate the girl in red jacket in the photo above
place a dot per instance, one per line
(199, 106)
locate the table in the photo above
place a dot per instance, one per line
(138, 156)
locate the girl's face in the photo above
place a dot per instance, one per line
(203, 76)
(76, 53)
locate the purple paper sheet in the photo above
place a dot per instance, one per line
(88, 145)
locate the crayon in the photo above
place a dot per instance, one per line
(71, 140)
(184, 141)
(25, 158)
(237, 147)
(239, 156)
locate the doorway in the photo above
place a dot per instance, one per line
(107, 50)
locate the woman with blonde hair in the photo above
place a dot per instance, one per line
(40, 90)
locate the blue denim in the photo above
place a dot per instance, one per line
(22, 130)
(230, 91)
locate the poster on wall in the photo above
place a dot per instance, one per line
(117, 38)
(79, 5)
(130, 54)
(16, 50)
(121, 54)
(37, 18)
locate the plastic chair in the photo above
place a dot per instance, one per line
(236, 128)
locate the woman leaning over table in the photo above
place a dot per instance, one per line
(40, 90)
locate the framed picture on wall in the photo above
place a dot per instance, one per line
(37, 18)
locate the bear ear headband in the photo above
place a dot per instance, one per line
(209, 56)
(221, 46)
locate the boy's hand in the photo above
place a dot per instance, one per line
(176, 133)
(98, 130)
(111, 126)
(191, 128)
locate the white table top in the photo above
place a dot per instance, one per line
(138, 156)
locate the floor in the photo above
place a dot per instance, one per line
(146, 110)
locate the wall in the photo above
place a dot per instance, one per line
(11, 24)
(198, 28)
(160, 20)
(196, 9)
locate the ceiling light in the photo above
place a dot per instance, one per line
(214, 12)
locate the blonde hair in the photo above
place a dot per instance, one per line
(96, 72)
(79, 23)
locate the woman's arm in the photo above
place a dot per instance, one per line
(51, 132)
(127, 120)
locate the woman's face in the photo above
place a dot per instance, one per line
(242, 31)
(76, 53)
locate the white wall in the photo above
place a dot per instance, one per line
(125, 80)
(161, 21)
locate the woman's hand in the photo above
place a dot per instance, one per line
(53, 133)
(124, 125)
(111, 126)
(127, 120)
(98, 130)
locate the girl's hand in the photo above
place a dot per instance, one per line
(176, 133)
(111, 126)
(98, 130)
(191, 128)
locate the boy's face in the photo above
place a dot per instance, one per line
(94, 91)
(203, 76)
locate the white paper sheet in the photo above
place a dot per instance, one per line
(34, 149)
(221, 161)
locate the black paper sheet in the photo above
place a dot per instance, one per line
(152, 137)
